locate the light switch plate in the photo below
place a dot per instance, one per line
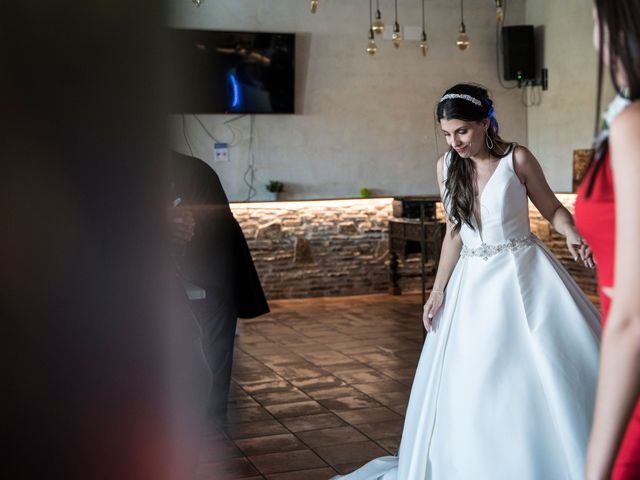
(220, 152)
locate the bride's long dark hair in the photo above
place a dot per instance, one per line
(460, 185)
(623, 18)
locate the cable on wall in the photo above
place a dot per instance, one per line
(229, 125)
(184, 134)
(531, 94)
(250, 173)
(209, 134)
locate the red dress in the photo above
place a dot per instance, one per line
(595, 218)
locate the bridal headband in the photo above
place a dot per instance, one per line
(469, 98)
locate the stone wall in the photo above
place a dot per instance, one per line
(318, 248)
(340, 247)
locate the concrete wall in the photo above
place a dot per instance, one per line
(565, 119)
(362, 121)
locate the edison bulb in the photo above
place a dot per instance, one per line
(372, 48)
(314, 6)
(463, 41)
(378, 24)
(499, 11)
(378, 27)
(196, 2)
(424, 46)
(396, 38)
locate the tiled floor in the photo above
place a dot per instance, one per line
(319, 386)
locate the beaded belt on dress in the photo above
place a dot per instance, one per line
(486, 250)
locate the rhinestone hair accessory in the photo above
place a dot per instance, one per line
(469, 98)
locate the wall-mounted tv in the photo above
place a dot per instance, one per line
(231, 72)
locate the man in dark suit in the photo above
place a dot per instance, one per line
(217, 259)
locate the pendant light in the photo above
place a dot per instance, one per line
(499, 11)
(424, 47)
(463, 39)
(314, 6)
(378, 24)
(372, 48)
(396, 38)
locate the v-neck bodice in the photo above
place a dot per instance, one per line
(503, 209)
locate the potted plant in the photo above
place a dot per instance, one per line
(274, 187)
(365, 192)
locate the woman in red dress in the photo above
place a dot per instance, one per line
(608, 215)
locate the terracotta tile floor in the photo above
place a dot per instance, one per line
(320, 386)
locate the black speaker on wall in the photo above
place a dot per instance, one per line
(519, 52)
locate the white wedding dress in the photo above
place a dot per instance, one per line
(505, 386)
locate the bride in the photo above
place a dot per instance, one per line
(506, 381)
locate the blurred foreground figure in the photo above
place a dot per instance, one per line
(92, 350)
(608, 210)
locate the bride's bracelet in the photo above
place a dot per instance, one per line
(437, 291)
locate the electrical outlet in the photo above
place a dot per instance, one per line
(220, 152)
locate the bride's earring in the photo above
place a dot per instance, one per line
(487, 140)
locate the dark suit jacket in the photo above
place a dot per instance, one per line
(218, 257)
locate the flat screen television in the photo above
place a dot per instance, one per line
(231, 72)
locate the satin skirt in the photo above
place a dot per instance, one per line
(505, 385)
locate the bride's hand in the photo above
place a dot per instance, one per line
(579, 249)
(431, 308)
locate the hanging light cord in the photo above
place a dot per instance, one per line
(499, 48)
(504, 10)
(423, 16)
(396, 11)
(370, 15)
(462, 12)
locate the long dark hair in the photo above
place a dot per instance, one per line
(622, 20)
(460, 185)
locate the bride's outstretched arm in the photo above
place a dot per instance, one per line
(531, 175)
(449, 256)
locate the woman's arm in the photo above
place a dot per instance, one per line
(619, 381)
(449, 256)
(531, 175)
